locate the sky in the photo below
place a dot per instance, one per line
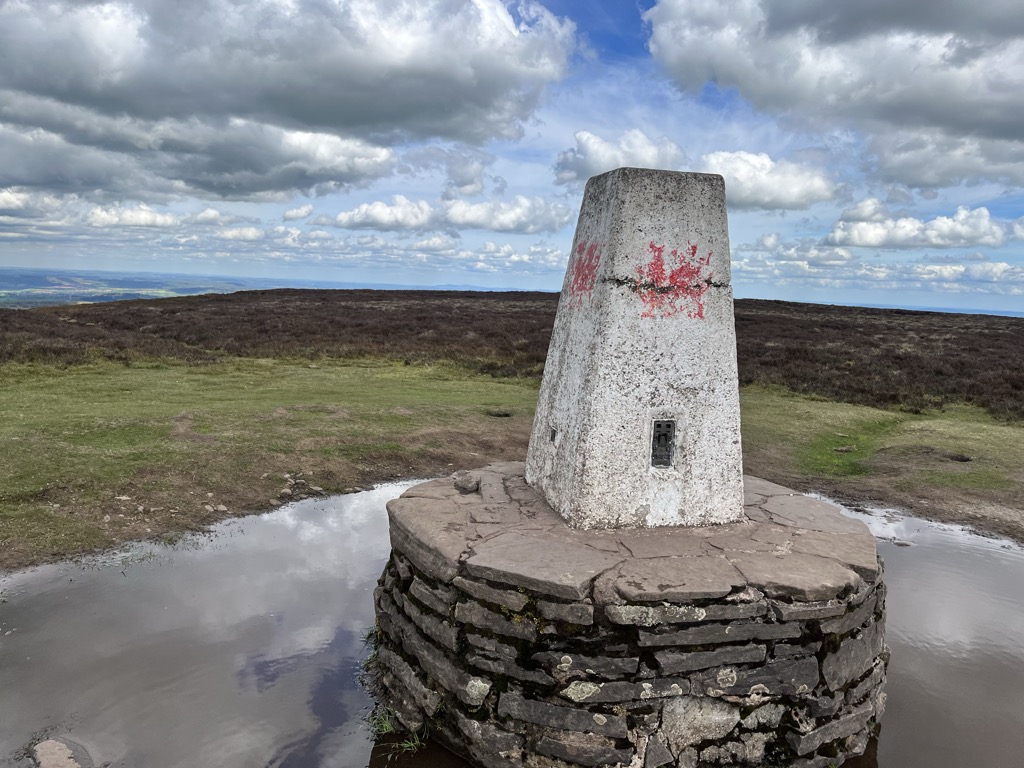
(873, 152)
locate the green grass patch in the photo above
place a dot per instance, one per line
(96, 454)
(83, 449)
(847, 453)
(946, 458)
(812, 435)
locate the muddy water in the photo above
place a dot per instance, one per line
(243, 648)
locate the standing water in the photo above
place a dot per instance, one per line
(243, 648)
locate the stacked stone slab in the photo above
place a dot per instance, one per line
(523, 642)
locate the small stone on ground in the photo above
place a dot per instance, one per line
(54, 754)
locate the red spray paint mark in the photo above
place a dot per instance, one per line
(680, 287)
(583, 274)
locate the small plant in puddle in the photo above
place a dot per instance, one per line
(414, 741)
(382, 721)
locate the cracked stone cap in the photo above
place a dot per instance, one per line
(789, 547)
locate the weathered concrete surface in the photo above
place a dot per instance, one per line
(787, 546)
(755, 641)
(644, 333)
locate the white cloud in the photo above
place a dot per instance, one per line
(1018, 228)
(209, 216)
(757, 181)
(140, 216)
(868, 209)
(806, 263)
(13, 200)
(464, 166)
(593, 155)
(966, 228)
(402, 213)
(752, 180)
(951, 71)
(302, 212)
(805, 252)
(928, 158)
(247, 234)
(435, 243)
(458, 68)
(523, 214)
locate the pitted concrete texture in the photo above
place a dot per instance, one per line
(788, 546)
(644, 336)
(758, 641)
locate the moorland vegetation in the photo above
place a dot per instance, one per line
(142, 418)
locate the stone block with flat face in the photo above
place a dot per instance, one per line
(638, 422)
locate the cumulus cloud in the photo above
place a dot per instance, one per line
(521, 214)
(209, 216)
(207, 100)
(752, 180)
(868, 209)
(806, 262)
(928, 158)
(25, 204)
(593, 155)
(806, 252)
(247, 234)
(965, 228)
(437, 67)
(524, 215)
(757, 181)
(294, 214)
(955, 72)
(402, 213)
(435, 243)
(140, 216)
(13, 200)
(465, 167)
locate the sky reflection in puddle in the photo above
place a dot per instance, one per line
(242, 648)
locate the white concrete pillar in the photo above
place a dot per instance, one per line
(638, 422)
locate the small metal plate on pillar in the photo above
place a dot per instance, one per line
(662, 443)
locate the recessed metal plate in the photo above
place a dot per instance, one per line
(663, 442)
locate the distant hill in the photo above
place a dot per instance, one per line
(22, 288)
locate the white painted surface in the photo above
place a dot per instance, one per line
(633, 343)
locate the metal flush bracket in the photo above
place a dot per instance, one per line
(662, 442)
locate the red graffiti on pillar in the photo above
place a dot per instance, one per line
(678, 287)
(583, 273)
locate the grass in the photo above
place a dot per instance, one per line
(947, 464)
(100, 453)
(139, 419)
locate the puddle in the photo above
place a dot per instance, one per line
(243, 648)
(955, 626)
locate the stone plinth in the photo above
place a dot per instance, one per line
(524, 642)
(638, 421)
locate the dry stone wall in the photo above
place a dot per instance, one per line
(524, 643)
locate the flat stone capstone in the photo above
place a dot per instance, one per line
(738, 644)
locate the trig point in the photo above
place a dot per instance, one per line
(638, 422)
(626, 598)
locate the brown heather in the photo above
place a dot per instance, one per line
(877, 357)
